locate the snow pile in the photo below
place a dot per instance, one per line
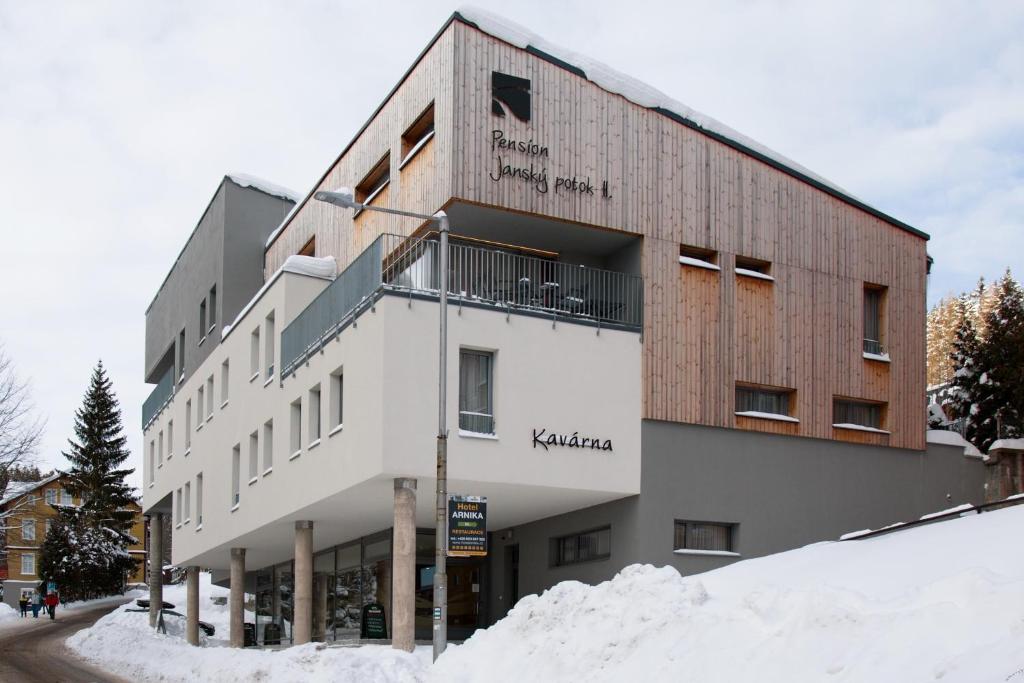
(246, 180)
(325, 267)
(7, 612)
(1016, 444)
(619, 83)
(123, 643)
(940, 601)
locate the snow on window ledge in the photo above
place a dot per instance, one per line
(313, 444)
(746, 272)
(416, 149)
(880, 357)
(860, 428)
(334, 431)
(709, 553)
(477, 435)
(201, 341)
(253, 480)
(224, 404)
(269, 380)
(199, 527)
(234, 507)
(187, 451)
(767, 416)
(699, 263)
(254, 375)
(268, 471)
(295, 454)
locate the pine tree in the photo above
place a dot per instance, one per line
(965, 390)
(1002, 362)
(96, 455)
(83, 560)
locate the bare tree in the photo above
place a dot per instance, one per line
(20, 427)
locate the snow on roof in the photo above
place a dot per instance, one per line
(1015, 444)
(246, 180)
(948, 438)
(16, 489)
(619, 83)
(325, 268)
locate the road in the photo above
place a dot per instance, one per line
(33, 649)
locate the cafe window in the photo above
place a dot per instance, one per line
(375, 181)
(583, 547)
(847, 412)
(476, 391)
(874, 299)
(765, 401)
(710, 536)
(418, 135)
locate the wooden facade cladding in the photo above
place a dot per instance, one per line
(704, 330)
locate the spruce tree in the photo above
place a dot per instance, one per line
(97, 453)
(83, 560)
(1002, 362)
(965, 389)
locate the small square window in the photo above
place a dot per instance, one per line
(710, 536)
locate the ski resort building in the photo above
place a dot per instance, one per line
(666, 344)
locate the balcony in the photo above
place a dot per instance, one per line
(482, 276)
(158, 398)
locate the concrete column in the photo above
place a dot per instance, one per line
(192, 605)
(303, 625)
(403, 564)
(156, 566)
(236, 602)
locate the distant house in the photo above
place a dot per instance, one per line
(27, 510)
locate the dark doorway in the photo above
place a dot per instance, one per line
(512, 574)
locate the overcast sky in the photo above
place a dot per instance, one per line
(118, 120)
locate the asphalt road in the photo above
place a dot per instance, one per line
(32, 650)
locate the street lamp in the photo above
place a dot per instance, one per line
(345, 199)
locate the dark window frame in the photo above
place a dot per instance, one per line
(470, 420)
(688, 524)
(786, 394)
(874, 318)
(417, 135)
(374, 182)
(557, 558)
(876, 407)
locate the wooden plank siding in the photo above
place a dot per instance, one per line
(704, 331)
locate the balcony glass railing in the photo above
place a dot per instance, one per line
(158, 398)
(498, 278)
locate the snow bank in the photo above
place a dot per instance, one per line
(7, 612)
(934, 602)
(619, 83)
(246, 180)
(123, 643)
(1017, 444)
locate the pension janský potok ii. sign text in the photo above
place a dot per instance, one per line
(546, 440)
(509, 165)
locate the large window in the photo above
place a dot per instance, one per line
(873, 300)
(28, 529)
(28, 564)
(709, 536)
(764, 401)
(583, 547)
(476, 391)
(850, 413)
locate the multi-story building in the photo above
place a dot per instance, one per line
(666, 344)
(27, 510)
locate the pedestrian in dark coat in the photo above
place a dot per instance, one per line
(51, 605)
(23, 604)
(37, 604)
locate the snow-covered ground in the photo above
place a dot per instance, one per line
(7, 613)
(943, 601)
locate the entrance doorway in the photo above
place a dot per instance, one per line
(466, 588)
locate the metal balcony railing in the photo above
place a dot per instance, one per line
(478, 275)
(158, 398)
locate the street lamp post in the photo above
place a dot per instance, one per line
(345, 199)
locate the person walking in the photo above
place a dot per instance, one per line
(37, 604)
(51, 605)
(23, 604)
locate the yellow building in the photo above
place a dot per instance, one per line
(27, 511)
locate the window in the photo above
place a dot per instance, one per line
(28, 563)
(270, 351)
(51, 495)
(177, 507)
(209, 397)
(65, 497)
(170, 439)
(236, 457)
(850, 413)
(309, 248)
(314, 414)
(873, 302)
(199, 407)
(152, 462)
(188, 424)
(202, 321)
(762, 401)
(699, 257)
(418, 135)
(199, 500)
(337, 399)
(584, 547)
(188, 502)
(28, 529)
(49, 524)
(224, 371)
(754, 268)
(296, 436)
(160, 449)
(254, 456)
(254, 353)
(268, 446)
(213, 308)
(476, 391)
(703, 536)
(375, 181)
(181, 355)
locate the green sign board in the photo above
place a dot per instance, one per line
(467, 526)
(374, 623)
